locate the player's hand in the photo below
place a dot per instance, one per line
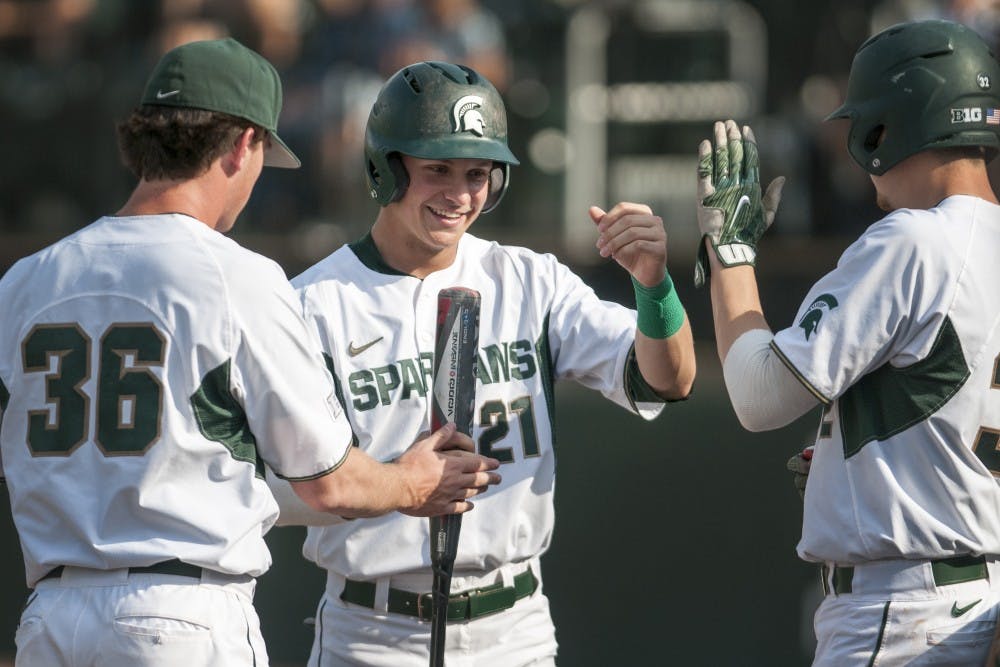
(635, 238)
(732, 215)
(799, 466)
(443, 472)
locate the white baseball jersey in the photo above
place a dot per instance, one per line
(148, 367)
(901, 342)
(539, 323)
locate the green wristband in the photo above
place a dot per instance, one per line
(659, 310)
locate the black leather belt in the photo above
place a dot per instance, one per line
(946, 571)
(173, 566)
(463, 606)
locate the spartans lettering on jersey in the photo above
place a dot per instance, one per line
(412, 378)
(818, 308)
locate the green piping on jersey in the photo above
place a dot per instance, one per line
(547, 375)
(636, 388)
(368, 254)
(890, 400)
(801, 378)
(221, 419)
(339, 390)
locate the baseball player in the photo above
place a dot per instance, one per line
(149, 368)
(437, 157)
(900, 343)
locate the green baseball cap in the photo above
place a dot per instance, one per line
(223, 75)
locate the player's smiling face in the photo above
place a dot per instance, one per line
(447, 194)
(443, 198)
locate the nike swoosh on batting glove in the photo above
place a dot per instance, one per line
(732, 214)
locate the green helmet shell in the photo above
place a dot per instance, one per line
(436, 111)
(920, 85)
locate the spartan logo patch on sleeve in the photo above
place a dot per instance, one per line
(818, 308)
(466, 115)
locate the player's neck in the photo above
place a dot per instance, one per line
(962, 177)
(923, 181)
(189, 197)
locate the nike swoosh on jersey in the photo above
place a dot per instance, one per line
(160, 95)
(743, 200)
(957, 611)
(355, 351)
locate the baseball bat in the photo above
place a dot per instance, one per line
(456, 353)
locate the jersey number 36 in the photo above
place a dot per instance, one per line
(129, 396)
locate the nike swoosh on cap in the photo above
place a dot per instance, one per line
(160, 95)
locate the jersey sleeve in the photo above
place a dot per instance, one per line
(280, 378)
(319, 328)
(881, 304)
(592, 342)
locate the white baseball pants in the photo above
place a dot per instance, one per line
(110, 618)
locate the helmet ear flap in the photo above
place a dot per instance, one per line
(874, 137)
(499, 180)
(400, 177)
(387, 177)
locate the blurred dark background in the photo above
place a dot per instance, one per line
(675, 542)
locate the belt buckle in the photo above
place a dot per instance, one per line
(420, 606)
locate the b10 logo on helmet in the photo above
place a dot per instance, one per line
(973, 115)
(466, 116)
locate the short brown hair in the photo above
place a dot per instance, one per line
(159, 143)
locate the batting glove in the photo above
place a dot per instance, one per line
(731, 212)
(799, 466)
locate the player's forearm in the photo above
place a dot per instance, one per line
(360, 487)
(735, 304)
(293, 510)
(664, 349)
(667, 364)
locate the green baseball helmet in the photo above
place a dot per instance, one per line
(920, 85)
(435, 111)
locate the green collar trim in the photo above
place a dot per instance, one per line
(368, 254)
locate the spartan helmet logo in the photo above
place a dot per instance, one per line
(466, 116)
